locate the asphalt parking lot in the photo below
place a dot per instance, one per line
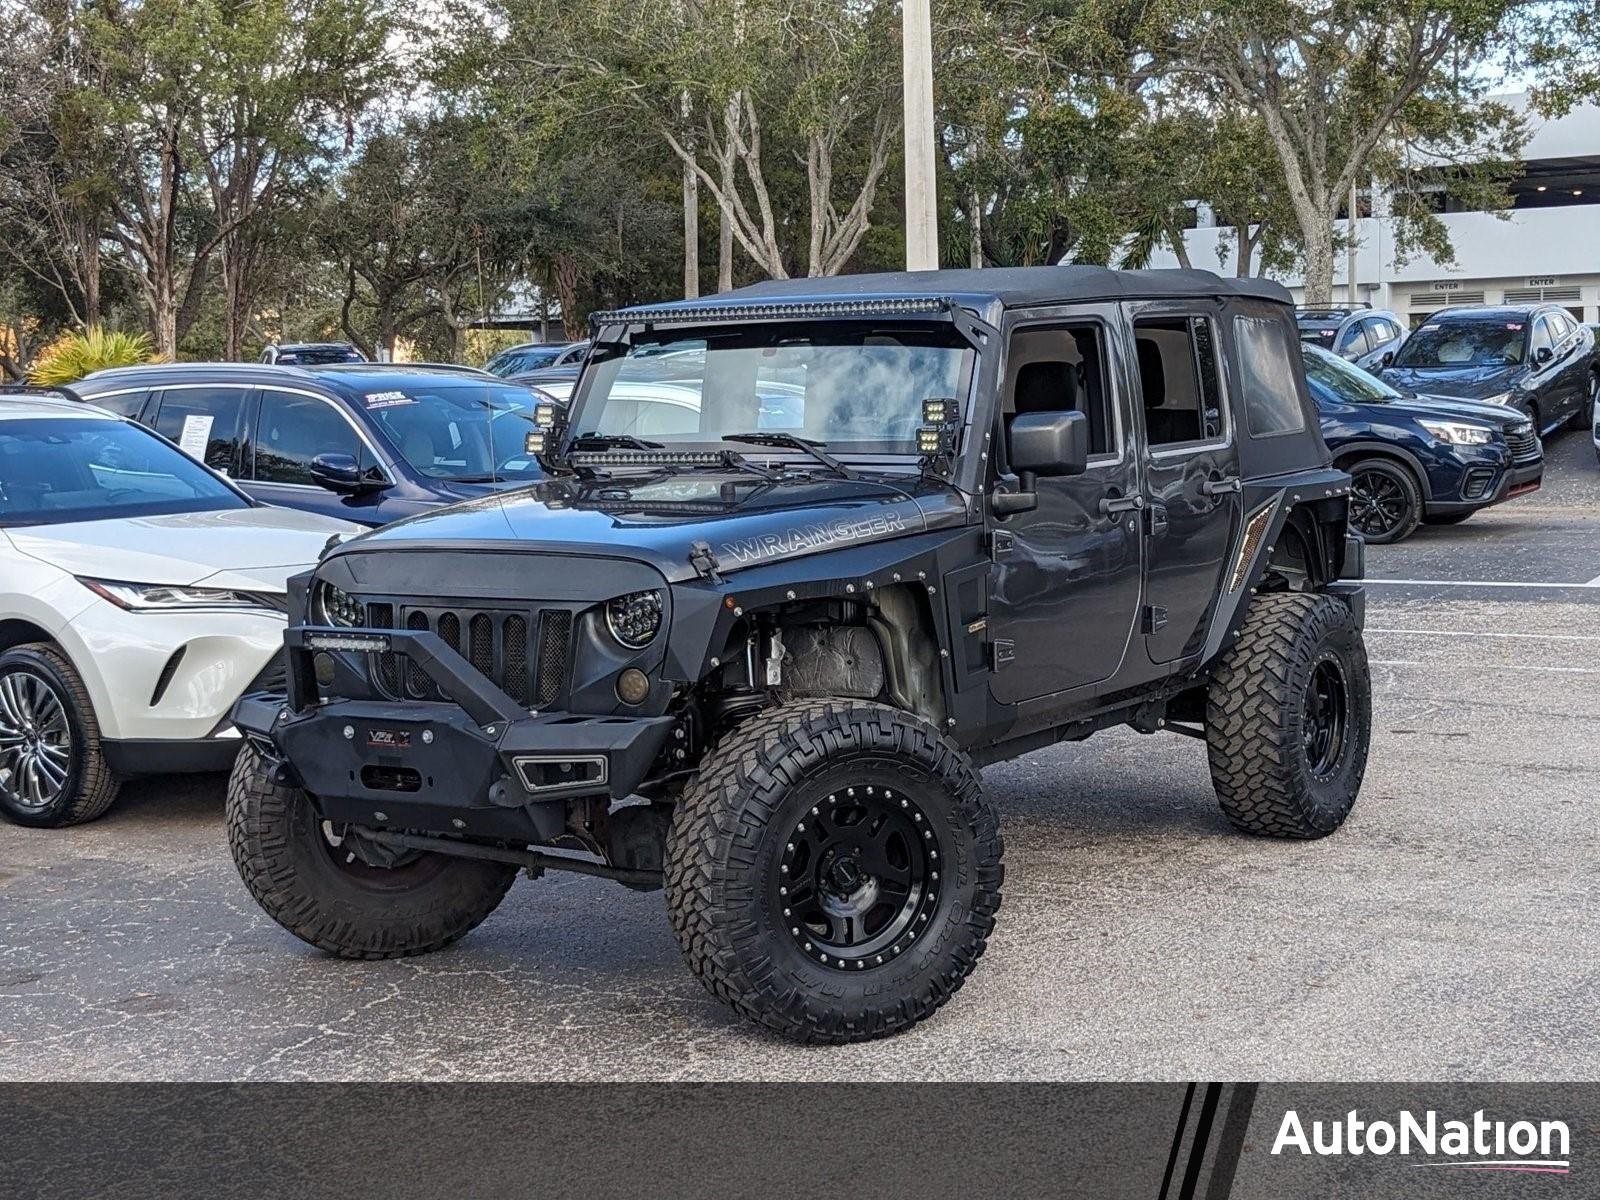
(1448, 931)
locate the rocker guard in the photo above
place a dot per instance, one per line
(448, 767)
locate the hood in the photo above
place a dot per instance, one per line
(1501, 416)
(1470, 383)
(253, 548)
(744, 519)
(452, 491)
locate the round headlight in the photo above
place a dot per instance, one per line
(635, 619)
(336, 607)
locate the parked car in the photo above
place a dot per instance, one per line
(311, 354)
(534, 356)
(1414, 458)
(1358, 334)
(1531, 357)
(140, 596)
(556, 382)
(370, 442)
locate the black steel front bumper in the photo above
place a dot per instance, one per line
(475, 764)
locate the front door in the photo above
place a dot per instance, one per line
(1065, 584)
(1191, 473)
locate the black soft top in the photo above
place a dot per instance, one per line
(1019, 287)
(987, 292)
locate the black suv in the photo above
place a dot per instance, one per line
(912, 524)
(370, 442)
(1534, 358)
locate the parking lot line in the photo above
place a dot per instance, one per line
(1482, 583)
(1540, 637)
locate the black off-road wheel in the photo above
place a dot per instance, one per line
(833, 870)
(52, 770)
(1385, 501)
(302, 872)
(1289, 717)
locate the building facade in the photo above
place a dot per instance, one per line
(1546, 248)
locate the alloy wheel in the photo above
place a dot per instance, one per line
(35, 741)
(859, 877)
(1326, 717)
(1377, 503)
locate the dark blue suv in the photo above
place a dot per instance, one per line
(369, 442)
(1418, 458)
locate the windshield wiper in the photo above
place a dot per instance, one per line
(788, 441)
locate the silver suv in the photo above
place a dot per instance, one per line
(1365, 336)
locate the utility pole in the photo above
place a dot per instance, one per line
(1350, 249)
(922, 201)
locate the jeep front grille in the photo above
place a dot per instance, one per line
(494, 641)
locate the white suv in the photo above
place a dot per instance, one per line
(140, 595)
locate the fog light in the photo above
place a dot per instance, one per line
(322, 664)
(633, 686)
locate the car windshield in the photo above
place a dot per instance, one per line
(1474, 342)
(58, 470)
(855, 392)
(457, 429)
(1346, 381)
(312, 356)
(523, 358)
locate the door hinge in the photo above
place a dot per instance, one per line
(1155, 618)
(1001, 542)
(1001, 653)
(1155, 520)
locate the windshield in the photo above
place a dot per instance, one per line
(458, 430)
(855, 392)
(524, 358)
(1346, 381)
(1477, 342)
(56, 470)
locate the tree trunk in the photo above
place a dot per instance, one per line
(975, 228)
(1317, 233)
(567, 277)
(1246, 250)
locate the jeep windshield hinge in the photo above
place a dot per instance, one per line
(704, 561)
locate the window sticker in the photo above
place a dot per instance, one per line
(1514, 326)
(387, 399)
(196, 434)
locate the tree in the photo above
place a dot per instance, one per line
(1334, 82)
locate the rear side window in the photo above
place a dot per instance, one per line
(1271, 392)
(128, 404)
(203, 421)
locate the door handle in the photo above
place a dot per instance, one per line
(1120, 504)
(1217, 487)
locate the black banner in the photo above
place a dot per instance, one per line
(1145, 1141)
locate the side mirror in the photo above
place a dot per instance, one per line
(341, 473)
(1050, 443)
(1043, 443)
(1543, 355)
(1387, 360)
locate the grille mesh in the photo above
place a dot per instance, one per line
(495, 643)
(555, 638)
(1525, 447)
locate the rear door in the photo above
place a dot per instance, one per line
(1191, 471)
(205, 420)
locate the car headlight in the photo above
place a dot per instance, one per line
(166, 597)
(1458, 433)
(1497, 398)
(635, 619)
(332, 606)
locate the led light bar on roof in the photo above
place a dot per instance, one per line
(707, 313)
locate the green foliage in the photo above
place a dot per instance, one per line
(72, 356)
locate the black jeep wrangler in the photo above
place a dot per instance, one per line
(807, 557)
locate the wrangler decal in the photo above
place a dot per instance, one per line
(813, 537)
